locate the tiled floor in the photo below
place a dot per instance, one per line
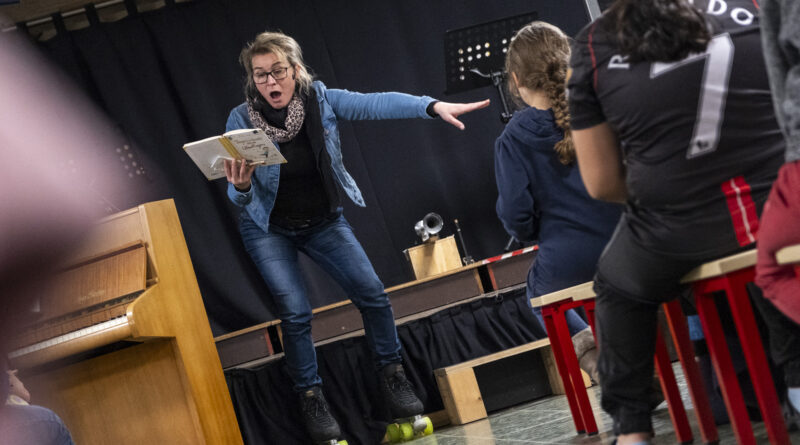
(548, 421)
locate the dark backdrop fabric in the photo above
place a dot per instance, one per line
(171, 76)
(448, 337)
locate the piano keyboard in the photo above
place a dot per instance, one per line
(113, 323)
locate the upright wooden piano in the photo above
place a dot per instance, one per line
(121, 348)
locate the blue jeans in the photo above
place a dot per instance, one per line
(32, 425)
(695, 327)
(332, 245)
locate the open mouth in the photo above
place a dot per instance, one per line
(275, 95)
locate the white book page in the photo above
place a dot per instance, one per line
(255, 146)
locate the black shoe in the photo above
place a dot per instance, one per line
(398, 392)
(320, 424)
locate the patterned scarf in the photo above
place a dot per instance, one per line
(294, 120)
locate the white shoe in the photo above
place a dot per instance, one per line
(586, 350)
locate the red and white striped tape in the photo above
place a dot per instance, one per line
(509, 254)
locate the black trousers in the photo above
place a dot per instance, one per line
(631, 283)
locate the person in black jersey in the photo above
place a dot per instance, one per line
(671, 114)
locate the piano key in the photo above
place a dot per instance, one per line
(70, 336)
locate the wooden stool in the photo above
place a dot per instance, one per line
(678, 328)
(554, 306)
(731, 275)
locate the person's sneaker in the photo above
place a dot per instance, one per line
(398, 393)
(586, 351)
(319, 422)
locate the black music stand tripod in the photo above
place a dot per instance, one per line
(475, 57)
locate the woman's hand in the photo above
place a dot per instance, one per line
(449, 111)
(239, 173)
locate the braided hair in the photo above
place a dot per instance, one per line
(538, 56)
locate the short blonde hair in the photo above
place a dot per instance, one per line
(539, 56)
(282, 46)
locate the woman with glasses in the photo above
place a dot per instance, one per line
(295, 207)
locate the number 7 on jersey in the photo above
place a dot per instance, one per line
(718, 59)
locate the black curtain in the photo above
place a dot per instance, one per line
(170, 76)
(267, 410)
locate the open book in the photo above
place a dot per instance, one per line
(252, 145)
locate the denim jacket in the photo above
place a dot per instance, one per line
(334, 104)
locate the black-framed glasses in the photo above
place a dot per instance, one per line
(277, 74)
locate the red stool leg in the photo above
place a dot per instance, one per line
(683, 346)
(574, 371)
(671, 393)
(588, 306)
(569, 390)
(753, 348)
(723, 366)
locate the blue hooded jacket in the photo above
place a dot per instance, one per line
(542, 199)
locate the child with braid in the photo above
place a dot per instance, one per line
(541, 195)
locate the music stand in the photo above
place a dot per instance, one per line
(475, 56)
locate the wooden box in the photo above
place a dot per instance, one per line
(433, 258)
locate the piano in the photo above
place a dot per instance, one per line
(121, 347)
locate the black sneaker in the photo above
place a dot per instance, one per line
(320, 424)
(398, 392)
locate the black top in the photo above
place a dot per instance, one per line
(686, 128)
(305, 192)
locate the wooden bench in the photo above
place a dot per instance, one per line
(459, 386)
(554, 306)
(340, 318)
(253, 344)
(510, 268)
(245, 345)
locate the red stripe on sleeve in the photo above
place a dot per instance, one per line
(742, 209)
(591, 53)
(749, 205)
